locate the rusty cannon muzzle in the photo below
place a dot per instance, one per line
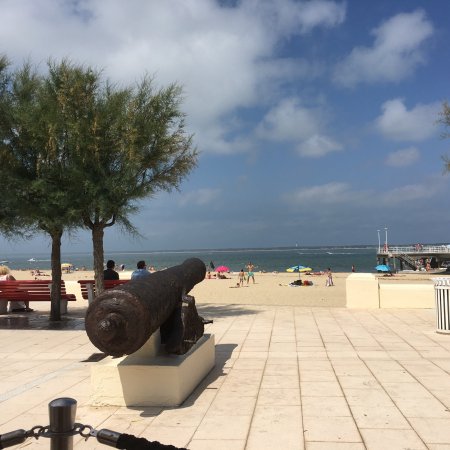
(121, 320)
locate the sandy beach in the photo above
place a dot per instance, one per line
(269, 289)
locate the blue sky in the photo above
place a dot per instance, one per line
(315, 120)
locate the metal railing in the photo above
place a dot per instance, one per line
(416, 249)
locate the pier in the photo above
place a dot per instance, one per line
(414, 257)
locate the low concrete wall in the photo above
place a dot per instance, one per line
(406, 295)
(364, 290)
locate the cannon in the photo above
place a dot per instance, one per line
(121, 320)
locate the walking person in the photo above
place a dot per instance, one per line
(250, 272)
(241, 277)
(329, 278)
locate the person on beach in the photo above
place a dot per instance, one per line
(141, 272)
(241, 277)
(110, 273)
(329, 278)
(19, 306)
(250, 272)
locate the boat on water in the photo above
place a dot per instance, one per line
(31, 260)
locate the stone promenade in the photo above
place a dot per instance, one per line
(286, 378)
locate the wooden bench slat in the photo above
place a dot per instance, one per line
(86, 285)
(30, 290)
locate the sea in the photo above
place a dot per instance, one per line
(338, 258)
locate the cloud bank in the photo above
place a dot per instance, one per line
(396, 52)
(198, 43)
(399, 124)
(404, 157)
(292, 123)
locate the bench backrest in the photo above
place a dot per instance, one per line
(90, 284)
(28, 289)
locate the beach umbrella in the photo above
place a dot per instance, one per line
(383, 268)
(222, 269)
(299, 269)
(67, 267)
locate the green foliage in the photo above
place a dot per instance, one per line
(444, 119)
(77, 151)
(35, 152)
(136, 146)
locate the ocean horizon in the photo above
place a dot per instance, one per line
(340, 258)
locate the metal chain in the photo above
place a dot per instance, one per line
(35, 431)
(79, 428)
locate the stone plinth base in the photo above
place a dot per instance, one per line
(160, 380)
(362, 291)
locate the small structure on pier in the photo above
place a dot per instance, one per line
(415, 257)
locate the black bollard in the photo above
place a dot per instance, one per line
(62, 413)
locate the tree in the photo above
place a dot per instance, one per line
(136, 145)
(81, 152)
(9, 222)
(35, 153)
(444, 119)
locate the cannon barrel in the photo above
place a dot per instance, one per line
(121, 320)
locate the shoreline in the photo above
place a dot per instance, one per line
(269, 289)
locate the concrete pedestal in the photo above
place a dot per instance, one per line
(150, 378)
(362, 291)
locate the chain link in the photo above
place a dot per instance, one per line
(88, 434)
(36, 431)
(79, 428)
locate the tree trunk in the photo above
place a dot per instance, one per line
(97, 244)
(55, 309)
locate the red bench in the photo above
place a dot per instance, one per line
(88, 287)
(33, 291)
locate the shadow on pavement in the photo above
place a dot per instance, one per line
(39, 321)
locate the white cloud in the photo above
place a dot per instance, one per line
(291, 122)
(216, 138)
(302, 17)
(317, 146)
(224, 56)
(404, 157)
(339, 195)
(409, 193)
(201, 197)
(399, 124)
(396, 52)
(330, 193)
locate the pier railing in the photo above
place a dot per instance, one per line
(416, 249)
